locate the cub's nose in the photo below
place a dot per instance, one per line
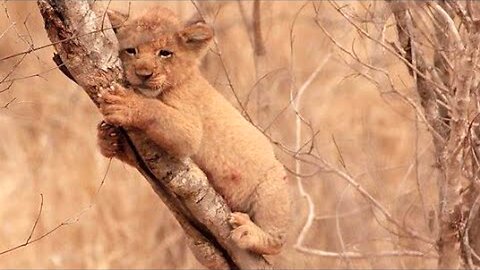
(144, 74)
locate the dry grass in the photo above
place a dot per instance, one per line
(48, 146)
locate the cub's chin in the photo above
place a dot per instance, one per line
(149, 92)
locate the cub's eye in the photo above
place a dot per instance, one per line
(131, 51)
(165, 54)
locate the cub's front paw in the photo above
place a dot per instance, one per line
(109, 140)
(122, 107)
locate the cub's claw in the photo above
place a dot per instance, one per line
(244, 236)
(237, 219)
(248, 235)
(243, 233)
(109, 141)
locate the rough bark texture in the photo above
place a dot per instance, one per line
(88, 47)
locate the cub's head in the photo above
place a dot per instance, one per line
(157, 50)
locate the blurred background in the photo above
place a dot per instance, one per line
(353, 118)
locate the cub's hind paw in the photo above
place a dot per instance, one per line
(237, 219)
(244, 236)
(247, 235)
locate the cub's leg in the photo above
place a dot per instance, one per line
(113, 144)
(265, 233)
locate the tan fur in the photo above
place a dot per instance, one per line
(181, 112)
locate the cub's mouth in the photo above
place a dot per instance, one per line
(149, 92)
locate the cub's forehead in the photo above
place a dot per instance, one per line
(152, 25)
(142, 36)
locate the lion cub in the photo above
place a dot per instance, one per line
(180, 111)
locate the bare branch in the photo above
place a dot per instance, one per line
(358, 255)
(9, 103)
(30, 236)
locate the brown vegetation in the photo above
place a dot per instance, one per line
(328, 87)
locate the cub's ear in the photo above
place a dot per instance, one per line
(117, 18)
(196, 35)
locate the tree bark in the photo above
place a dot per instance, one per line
(82, 36)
